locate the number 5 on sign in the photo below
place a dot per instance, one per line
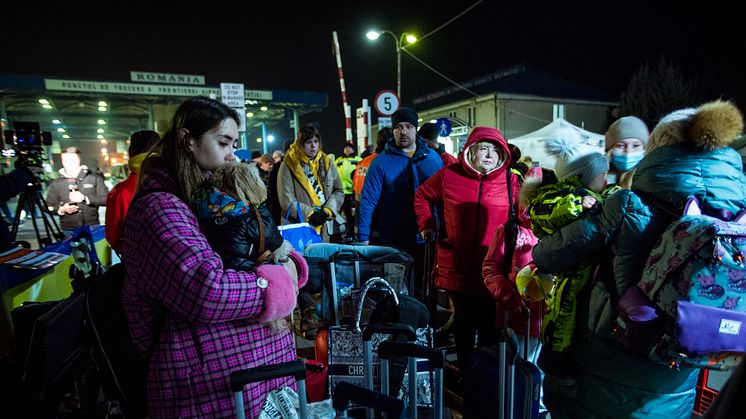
(386, 102)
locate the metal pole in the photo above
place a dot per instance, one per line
(264, 137)
(398, 69)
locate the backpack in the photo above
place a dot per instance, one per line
(689, 308)
(123, 369)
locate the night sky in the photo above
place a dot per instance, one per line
(288, 45)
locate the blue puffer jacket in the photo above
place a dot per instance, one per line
(614, 383)
(387, 200)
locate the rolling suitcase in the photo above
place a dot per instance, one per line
(413, 351)
(295, 368)
(500, 383)
(382, 404)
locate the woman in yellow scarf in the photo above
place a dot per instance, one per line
(309, 182)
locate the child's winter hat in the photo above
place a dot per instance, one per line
(626, 127)
(575, 158)
(712, 125)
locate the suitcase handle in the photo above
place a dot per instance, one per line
(389, 348)
(266, 372)
(345, 392)
(348, 255)
(389, 328)
(377, 280)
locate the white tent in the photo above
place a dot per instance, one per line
(532, 144)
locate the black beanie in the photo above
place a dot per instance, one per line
(428, 131)
(404, 115)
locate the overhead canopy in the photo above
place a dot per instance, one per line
(532, 144)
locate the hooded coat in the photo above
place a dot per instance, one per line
(620, 236)
(474, 206)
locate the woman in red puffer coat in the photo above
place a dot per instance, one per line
(475, 201)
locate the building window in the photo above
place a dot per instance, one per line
(471, 115)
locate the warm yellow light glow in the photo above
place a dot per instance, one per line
(259, 140)
(410, 39)
(104, 142)
(104, 150)
(106, 158)
(263, 108)
(101, 122)
(249, 114)
(103, 104)
(102, 108)
(113, 161)
(60, 130)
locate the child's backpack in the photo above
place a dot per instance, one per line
(689, 308)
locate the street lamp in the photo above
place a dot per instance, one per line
(411, 39)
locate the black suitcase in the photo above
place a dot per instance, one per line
(499, 383)
(383, 405)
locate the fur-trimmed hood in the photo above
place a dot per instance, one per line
(711, 126)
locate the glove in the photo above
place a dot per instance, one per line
(317, 218)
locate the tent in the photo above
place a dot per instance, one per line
(532, 144)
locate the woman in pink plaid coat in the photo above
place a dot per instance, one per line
(194, 321)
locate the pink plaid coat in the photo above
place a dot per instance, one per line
(194, 321)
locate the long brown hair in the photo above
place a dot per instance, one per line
(197, 115)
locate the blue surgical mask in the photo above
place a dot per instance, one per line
(625, 162)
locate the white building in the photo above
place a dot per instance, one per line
(516, 100)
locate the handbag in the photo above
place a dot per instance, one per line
(347, 350)
(299, 234)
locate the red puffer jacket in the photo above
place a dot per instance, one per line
(473, 206)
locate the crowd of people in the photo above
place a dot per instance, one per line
(210, 279)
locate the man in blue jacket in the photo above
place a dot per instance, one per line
(387, 199)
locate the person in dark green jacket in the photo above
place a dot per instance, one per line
(686, 157)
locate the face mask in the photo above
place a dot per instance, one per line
(625, 162)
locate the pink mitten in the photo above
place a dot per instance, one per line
(302, 266)
(279, 296)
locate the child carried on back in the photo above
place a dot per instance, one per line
(235, 219)
(581, 173)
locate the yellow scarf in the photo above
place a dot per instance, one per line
(135, 162)
(296, 158)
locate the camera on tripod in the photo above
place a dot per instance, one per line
(28, 141)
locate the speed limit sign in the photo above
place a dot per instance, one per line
(386, 103)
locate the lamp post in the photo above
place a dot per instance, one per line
(411, 39)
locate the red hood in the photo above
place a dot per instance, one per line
(486, 134)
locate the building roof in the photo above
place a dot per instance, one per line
(517, 79)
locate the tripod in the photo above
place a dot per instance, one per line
(31, 198)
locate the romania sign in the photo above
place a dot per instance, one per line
(142, 76)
